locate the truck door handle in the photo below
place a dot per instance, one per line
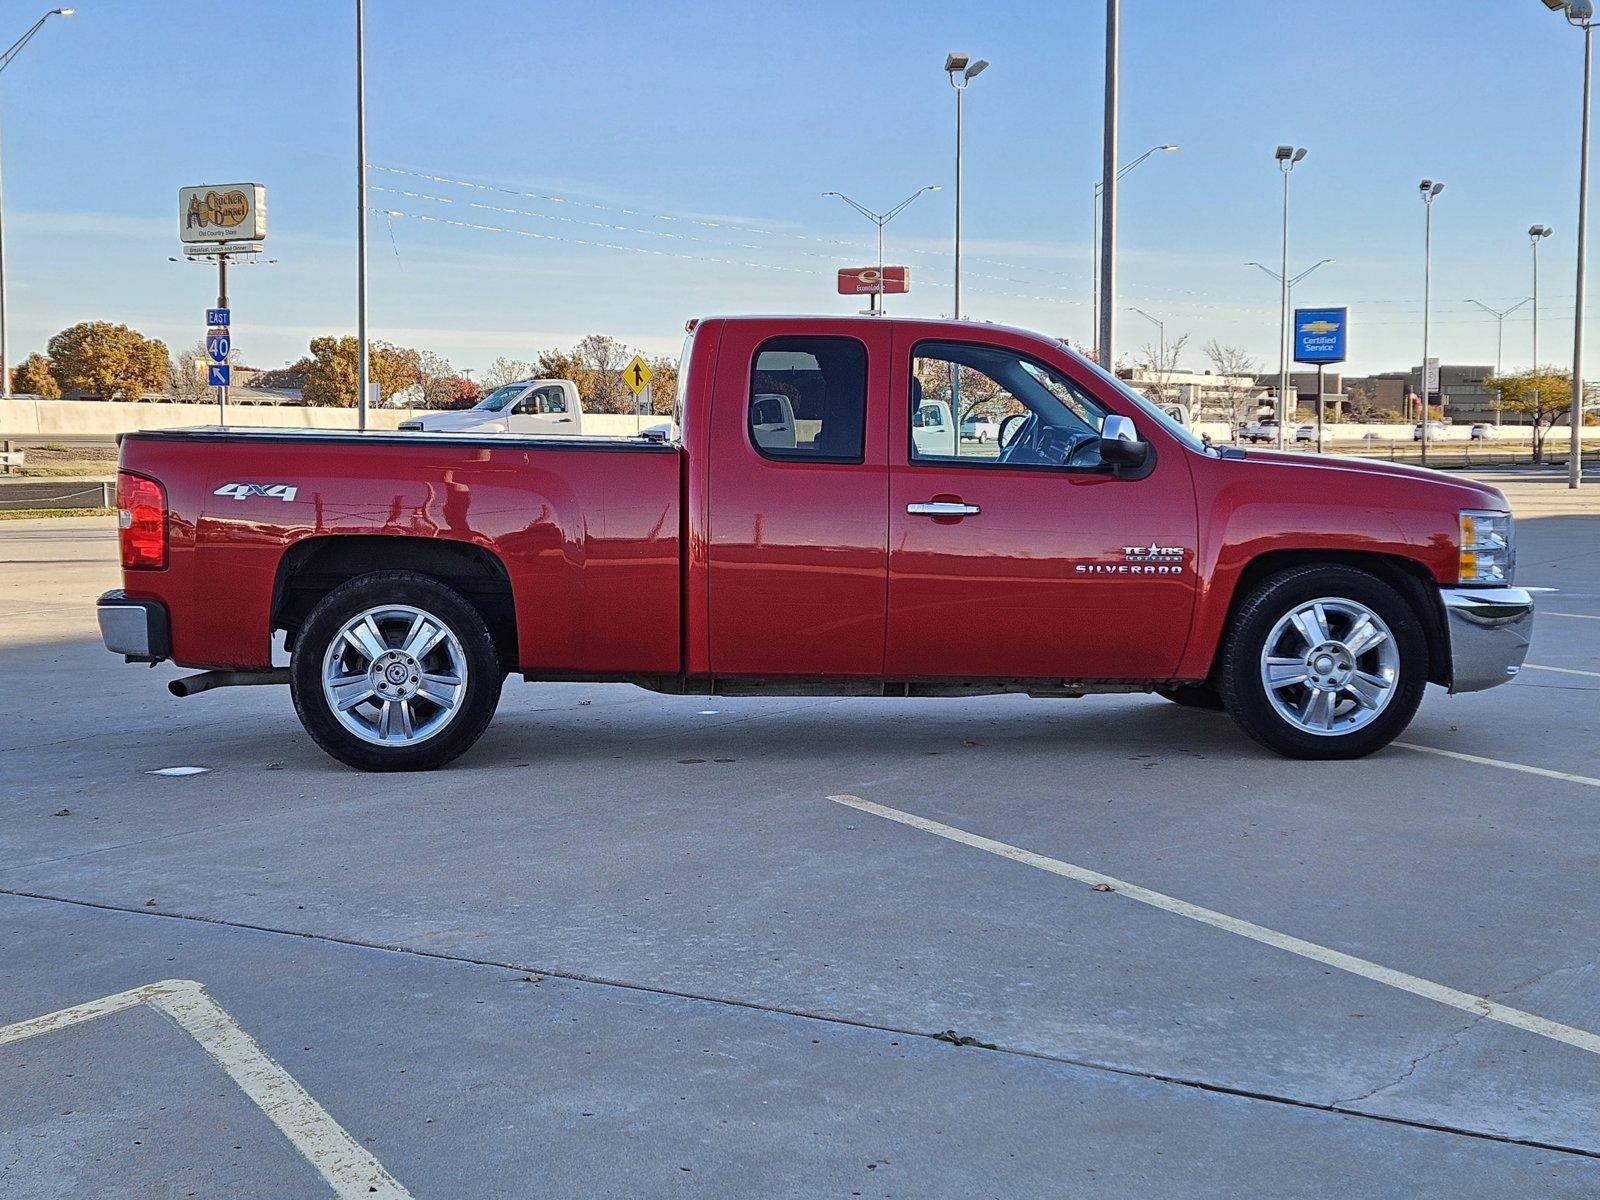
(941, 508)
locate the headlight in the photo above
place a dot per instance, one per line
(1488, 547)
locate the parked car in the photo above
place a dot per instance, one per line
(1259, 431)
(1436, 431)
(979, 429)
(1305, 434)
(1109, 547)
(548, 406)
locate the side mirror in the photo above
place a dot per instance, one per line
(1119, 443)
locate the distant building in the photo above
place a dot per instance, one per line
(1461, 392)
(1206, 396)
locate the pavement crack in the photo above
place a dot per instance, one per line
(849, 1022)
(1448, 1043)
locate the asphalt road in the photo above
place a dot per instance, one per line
(630, 946)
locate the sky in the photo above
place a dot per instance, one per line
(667, 160)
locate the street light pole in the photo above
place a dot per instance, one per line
(1499, 316)
(1535, 234)
(5, 337)
(363, 368)
(1105, 348)
(875, 300)
(1287, 157)
(1094, 242)
(1429, 190)
(961, 71)
(1161, 335)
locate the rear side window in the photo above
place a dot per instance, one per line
(808, 399)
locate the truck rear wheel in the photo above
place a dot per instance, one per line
(395, 671)
(1324, 662)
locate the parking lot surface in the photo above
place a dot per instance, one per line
(646, 945)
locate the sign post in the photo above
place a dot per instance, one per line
(636, 378)
(221, 221)
(1320, 339)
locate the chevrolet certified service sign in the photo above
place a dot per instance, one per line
(1319, 334)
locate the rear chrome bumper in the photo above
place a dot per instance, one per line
(135, 629)
(1489, 630)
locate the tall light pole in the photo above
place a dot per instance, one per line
(1581, 14)
(363, 368)
(1106, 318)
(1535, 234)
(1429, 190)
(1287, 157)
(1094, 241)
(961, 71)
(1161, 336)
(880, 220)
(5, 343)
(1499, 316)
(1287, 288)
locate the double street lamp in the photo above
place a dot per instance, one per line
(1499, 315)
(1287, 157)
(962, 71)
(880, 220)
(5, 347)
(1429, 191)
(1099, 189)
(1581, 14)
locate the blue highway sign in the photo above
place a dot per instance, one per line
(218, 316)
(1319, 334)
(217, 344)
(218, 374)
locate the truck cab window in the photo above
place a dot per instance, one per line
(548, 400)
(808, 399)
(991, 407)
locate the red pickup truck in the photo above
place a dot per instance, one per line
(817, 526)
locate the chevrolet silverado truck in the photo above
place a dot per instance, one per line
(1105, 547)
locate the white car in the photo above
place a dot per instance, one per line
(979, 429)
(1305, 435)
(537, 406)
(1436, 431)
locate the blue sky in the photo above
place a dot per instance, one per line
(678, 122)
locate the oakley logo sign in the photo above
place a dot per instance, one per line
(269, 491)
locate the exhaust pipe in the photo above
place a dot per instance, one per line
(189, 685)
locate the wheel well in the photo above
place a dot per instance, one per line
(312, 568)
(1407, 577)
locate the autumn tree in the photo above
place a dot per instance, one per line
(99, 358)
(663, 384)
(1543, 396)
(455, 392)
(330, 377)
(33, 378)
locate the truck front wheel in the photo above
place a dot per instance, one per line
(1324, 662)
(395, 671)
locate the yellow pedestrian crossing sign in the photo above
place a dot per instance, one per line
(636, 375)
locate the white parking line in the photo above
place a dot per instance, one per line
(1546, 772)
(352, 1172)
(1560, 670)
(1480, 1006)
(1572, 616)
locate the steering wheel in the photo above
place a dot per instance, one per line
(1038, 444)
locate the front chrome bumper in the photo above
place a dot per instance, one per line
(1489, 630)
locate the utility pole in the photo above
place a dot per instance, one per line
(1429, 191)
(362, 366)
(1287, 157)
(1105, 344)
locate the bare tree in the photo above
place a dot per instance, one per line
(1159, 365)
(186, 376)
(505, 370)
(1236, 370)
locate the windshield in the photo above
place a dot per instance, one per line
(497, 400)
(1163, 419)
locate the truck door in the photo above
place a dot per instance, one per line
(797, 551)
(544, 409)
(1025, 557)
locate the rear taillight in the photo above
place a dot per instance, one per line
(141, 522)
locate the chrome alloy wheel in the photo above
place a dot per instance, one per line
(394, 675)
(1330, 666)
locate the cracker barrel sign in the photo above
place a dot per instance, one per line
(225, 212)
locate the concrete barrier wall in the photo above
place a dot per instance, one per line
(1510, 435)
(35, 418)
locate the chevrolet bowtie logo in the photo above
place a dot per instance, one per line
(1320, 327)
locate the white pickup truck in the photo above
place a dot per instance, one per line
(547, 406)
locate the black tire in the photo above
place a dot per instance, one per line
(1194, 695)
(484, 673)
(1244, 694)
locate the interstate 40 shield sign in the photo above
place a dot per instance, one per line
(1319, 334)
